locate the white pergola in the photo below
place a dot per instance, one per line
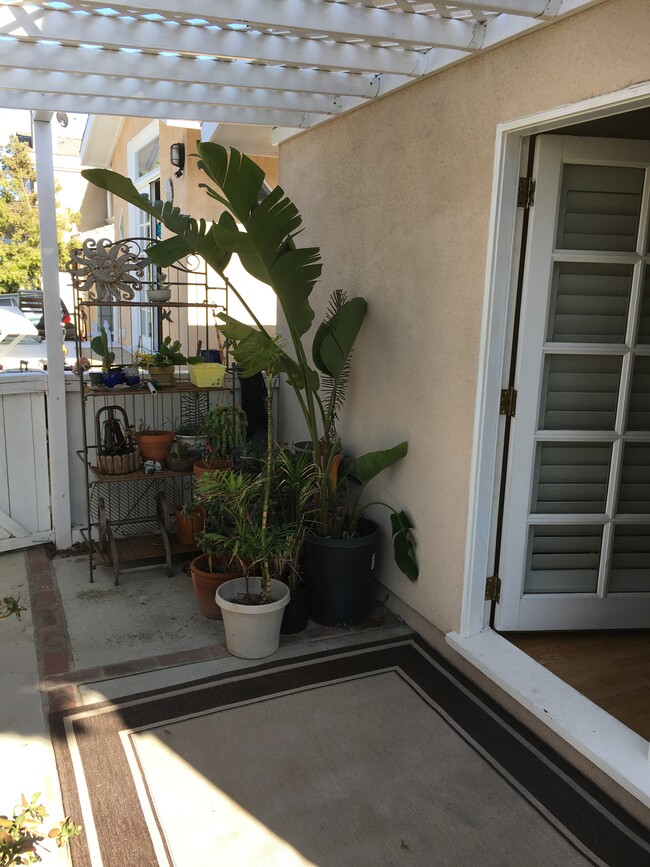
(284, 64)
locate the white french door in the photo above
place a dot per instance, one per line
(576, 533)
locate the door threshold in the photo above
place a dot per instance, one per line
(607, 743)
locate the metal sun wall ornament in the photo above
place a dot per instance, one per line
(107, 270)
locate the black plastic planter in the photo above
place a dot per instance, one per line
(296, 614)
(340, 574)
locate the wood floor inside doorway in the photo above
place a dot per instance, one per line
(610, 668)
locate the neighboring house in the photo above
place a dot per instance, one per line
(142, 149)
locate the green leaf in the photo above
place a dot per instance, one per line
(404, 545)
(366, 467)
(235, 173)
(255, 351)
(122, 187)
(335, 338)
(165, 253)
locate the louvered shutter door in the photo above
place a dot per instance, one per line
(586, 529)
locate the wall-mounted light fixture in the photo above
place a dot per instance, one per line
(177, 157)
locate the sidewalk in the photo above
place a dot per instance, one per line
(27, 759)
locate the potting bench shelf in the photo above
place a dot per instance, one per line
(137, 475)
(177, 388)
(130, 516)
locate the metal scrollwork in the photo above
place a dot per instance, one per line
(108, 270)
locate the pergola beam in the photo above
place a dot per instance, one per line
(169, 91)
(72, 103)
(236, 73)
(337, 20)
(70, 28)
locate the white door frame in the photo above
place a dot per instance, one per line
(500, 287)
(605, 741)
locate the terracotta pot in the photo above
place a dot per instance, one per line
(201, 467)
(153, 444)
(205, 583)
(188, 527)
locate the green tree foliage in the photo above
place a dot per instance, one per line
(20, 258)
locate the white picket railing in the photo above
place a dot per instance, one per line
(25, 515)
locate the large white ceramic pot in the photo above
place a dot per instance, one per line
(252, 631)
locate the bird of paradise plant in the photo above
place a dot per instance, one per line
(266, 246)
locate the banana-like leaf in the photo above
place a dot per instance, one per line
(266, 247)
(335, 338)
(366, 467)
(404, 545)
(255, 351)
(165, 253)
(120, 186)
(236, 174)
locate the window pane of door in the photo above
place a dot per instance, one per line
(599, 208)
(571, 478)
(581, 392)
(630, 570)
(589, 302)
(563, 559)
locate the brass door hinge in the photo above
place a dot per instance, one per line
(492, 588)
(508, 402)
(526, 193)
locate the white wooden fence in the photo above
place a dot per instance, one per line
(25, 515)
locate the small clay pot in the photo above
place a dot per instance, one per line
(205, 583)
(212, 466)
(188, 526)
(153, 444)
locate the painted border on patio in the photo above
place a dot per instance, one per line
(584, 815)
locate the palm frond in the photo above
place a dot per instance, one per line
(335, 390)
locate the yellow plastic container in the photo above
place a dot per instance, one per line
(207, 374)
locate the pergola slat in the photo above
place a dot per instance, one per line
(77, 29)
(74, 103)
(236, 73)
(337, 20)
(285, 63)
(147, 89)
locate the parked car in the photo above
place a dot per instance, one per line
(30, 301)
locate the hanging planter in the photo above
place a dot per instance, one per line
(252, 631)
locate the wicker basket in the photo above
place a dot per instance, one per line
(117, 465)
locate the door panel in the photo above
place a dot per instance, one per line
(576, 539)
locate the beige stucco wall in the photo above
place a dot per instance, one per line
(397, 194)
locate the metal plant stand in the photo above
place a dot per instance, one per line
(129, 514)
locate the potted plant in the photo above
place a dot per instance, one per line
(225, 427)
(111, 375)
(160, 292)
(190, 521)
(153, 443)
(192, 436)
(253, 605)
(161, 363)
(216, 494)
(263, 235)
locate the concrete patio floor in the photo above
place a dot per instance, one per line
(79, 642)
